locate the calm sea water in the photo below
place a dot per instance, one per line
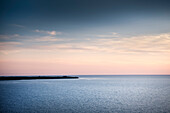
(89, 94)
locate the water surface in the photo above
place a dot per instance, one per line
(89, 94)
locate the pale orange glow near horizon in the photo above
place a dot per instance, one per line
(29, 68)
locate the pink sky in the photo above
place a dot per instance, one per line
(134, 55)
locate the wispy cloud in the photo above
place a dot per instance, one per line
(47, 39)
(17, 25)
(8, 47)
(150, 44)
(138, 44)
(9, 37)
(26, 39)
(111, 35)
(48, 32)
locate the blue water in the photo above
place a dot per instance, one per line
(89, 94)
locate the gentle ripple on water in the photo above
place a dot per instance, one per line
(89, 94)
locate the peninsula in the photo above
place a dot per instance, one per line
(36, 77)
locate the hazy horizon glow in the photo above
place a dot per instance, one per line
(84, 38)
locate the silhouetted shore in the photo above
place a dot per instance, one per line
(35, 77)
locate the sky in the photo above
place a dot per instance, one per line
(84, 37)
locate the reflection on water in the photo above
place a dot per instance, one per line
(89, 94)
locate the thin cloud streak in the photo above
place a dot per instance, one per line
(48, 32)
(17, 25)
(112, 35)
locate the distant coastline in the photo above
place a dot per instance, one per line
(36, 77)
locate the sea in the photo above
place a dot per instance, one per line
(88, 94)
